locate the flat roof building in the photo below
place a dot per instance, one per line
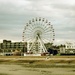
(8, 46)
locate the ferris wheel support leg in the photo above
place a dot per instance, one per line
(31, 46)
(28, 46)
(42, 47)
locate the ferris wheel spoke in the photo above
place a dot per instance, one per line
(28, 39)
(46, 40)
(48, 27)
(47, 36)
(29, 29)
(28, 35)
(46, 31)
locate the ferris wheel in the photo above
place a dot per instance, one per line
(36, 33)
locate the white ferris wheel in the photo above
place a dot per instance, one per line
(36, 33)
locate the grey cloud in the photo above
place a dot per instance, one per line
(13, 17)
(67, 10)
(64, 6)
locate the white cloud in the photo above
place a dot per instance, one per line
(15, 7)
(67, 2)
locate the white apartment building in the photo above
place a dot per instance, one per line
(70, 47)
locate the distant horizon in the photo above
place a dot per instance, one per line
(48, 42)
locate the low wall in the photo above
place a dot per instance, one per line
(32, 54)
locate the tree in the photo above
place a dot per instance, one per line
(50, 51)
(24, 49)
(55, 52)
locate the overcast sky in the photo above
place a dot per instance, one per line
(15, 13)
